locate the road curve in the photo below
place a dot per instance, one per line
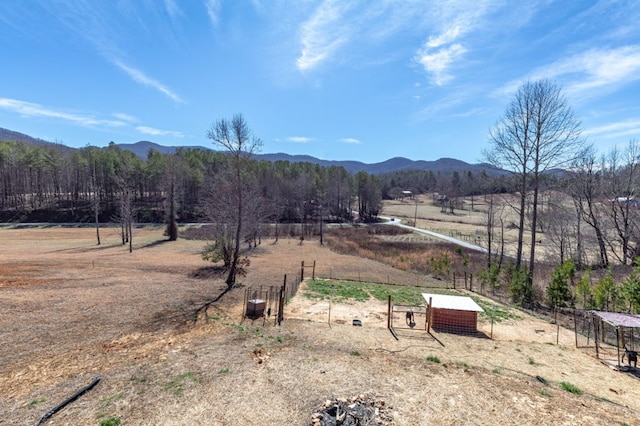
(395, 222)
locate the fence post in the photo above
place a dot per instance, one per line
(429, 316)
(389, 311)
(302, 271)
(575, 326)
(557, 327)
(313, 271)
(283, 292)
(470, 282)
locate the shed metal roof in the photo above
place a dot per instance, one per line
(617, 319)
(458, 303)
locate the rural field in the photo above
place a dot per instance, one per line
(166, 353)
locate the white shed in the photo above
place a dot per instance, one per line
(455, 313)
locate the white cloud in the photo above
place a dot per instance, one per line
(335, 26)
(157, 132)
(143, 79)
(350, 141)
(28, 109)
(213, 10)
(172, 8)
(446, 37)
(589, 72)
(124, 117)
(438, 62)
(299, 139)
(614, 130)
(322, 34)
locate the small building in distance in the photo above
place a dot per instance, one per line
(453, 313)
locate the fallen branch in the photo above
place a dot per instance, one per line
(68, 401)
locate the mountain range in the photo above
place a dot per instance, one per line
(141, 149)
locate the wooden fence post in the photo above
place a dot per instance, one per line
(429, 315)
(283, 295)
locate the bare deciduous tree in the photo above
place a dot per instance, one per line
(236, 138)
(621, 176)
(537, 133)
(586, 190)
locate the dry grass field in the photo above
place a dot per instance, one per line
(73, 311)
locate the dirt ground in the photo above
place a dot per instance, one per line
(73, 311)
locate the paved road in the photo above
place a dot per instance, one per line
(390, 221)
(396, 222)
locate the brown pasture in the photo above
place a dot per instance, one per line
(72, 311)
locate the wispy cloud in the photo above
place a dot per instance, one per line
(345, 29)
(143, 79)
(172, 8)
(29, 109)
(350, 141)
(322, 34)
(158, 132)
(125, 117)
(437, 60)
(299, 139)
(615, 130)
(589, 72)
(213, 10)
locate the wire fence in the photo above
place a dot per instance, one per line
(498, 320)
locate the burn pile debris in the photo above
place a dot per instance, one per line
(358, 411)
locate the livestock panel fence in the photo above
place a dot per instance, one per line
(267, 302)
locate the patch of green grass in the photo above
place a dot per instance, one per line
(336, 290)
(111, 421)
(360, 292)
(399, 294)
(570, 388)
(543, 392)
(223, 371)
(245, 330)
(434, 359)
(138, 379)
(495, 312)
(36, 401)
(496, 371)
(532, 361)
(355, 353)
(178, 383)
(462, 364)
(110, 399)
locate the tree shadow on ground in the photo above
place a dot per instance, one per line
(154, 243)
(209, 272)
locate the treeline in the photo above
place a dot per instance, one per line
(51, 184)
(107, 182)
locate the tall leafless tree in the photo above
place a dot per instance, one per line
(587, 193)
(621, 176)
(236, 138)
(537, 133)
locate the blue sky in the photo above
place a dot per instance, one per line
(363, 80)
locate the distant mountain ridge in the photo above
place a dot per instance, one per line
(443, 165)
